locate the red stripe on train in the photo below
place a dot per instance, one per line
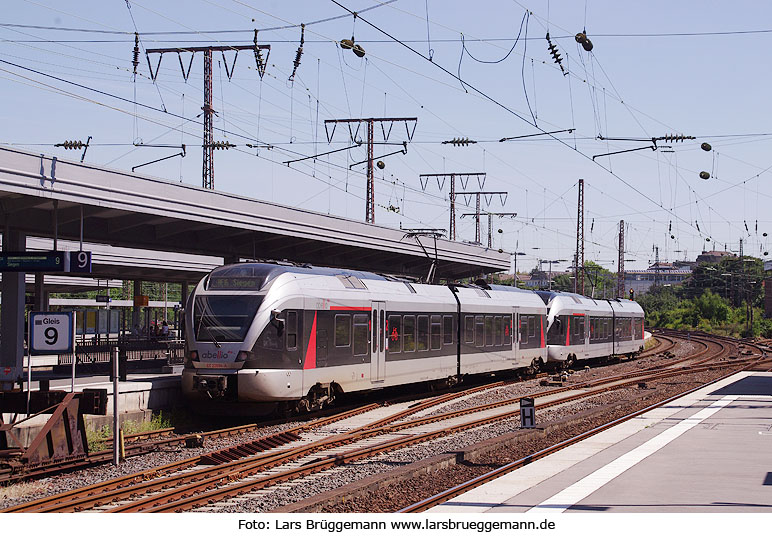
(310, 361)
(349, 308)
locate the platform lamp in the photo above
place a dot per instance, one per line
(515, 254)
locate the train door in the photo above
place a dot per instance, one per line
(378, 342)
(514, 333)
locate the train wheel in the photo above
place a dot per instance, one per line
(535, 366)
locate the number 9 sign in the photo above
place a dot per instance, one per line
(80, 261)
(50, 333)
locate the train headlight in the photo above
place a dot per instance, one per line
(190, 358)
(242, 356)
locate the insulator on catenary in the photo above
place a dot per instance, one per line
(135, 61)
(674, 138)
(71, 144)
(222, 145)
(299, 53)
(555, 54)
(460, 141)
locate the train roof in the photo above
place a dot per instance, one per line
(548, 296)
(254, 276)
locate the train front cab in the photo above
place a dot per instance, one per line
(579, 328)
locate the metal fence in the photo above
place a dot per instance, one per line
(98, 352)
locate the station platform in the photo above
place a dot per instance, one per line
(707, 452)
(140, 396)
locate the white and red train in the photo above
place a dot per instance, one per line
(297, 336)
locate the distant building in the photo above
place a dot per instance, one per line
(536, 280)
(714, 256)
(666, 274)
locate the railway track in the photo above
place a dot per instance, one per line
(206, 482)
(724, 346)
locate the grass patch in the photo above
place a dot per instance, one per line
(20, 490)
(98, 438)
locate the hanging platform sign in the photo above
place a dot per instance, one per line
(52, 261)
(32, 261)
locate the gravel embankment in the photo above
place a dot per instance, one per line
(619, 402)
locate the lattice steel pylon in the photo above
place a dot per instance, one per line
(579, 264)
(453, 176)
(621, 263)
(370, 200)
(207, 173)
(208, 143)
(477, 212)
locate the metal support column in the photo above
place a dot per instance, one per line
(40, 293)
(136, 310)
(579, 264)
(208, 170)
(12, 315)
(621, 263)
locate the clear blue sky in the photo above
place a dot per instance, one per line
(713, 87)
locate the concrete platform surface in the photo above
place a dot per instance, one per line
(707, 452)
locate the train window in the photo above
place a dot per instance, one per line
(361, 334)
(489, 330)
(382, 331)
(497, 330)
(375, 327)
(409, 333)
(436, 332)
(395, 328)
(469, 329)
(557, 330)
(343, 330)
(422, 333)
(523, 328)
(479, 330)
(531, 326)
(507, 330)
(447, 332)
(292, 330)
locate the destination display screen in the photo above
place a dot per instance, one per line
(32, 262)
(235, 283)
(246, 277)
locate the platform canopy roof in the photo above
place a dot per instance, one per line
(133, 211)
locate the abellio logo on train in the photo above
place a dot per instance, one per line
(219, 355)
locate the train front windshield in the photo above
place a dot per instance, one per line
(224, 318)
